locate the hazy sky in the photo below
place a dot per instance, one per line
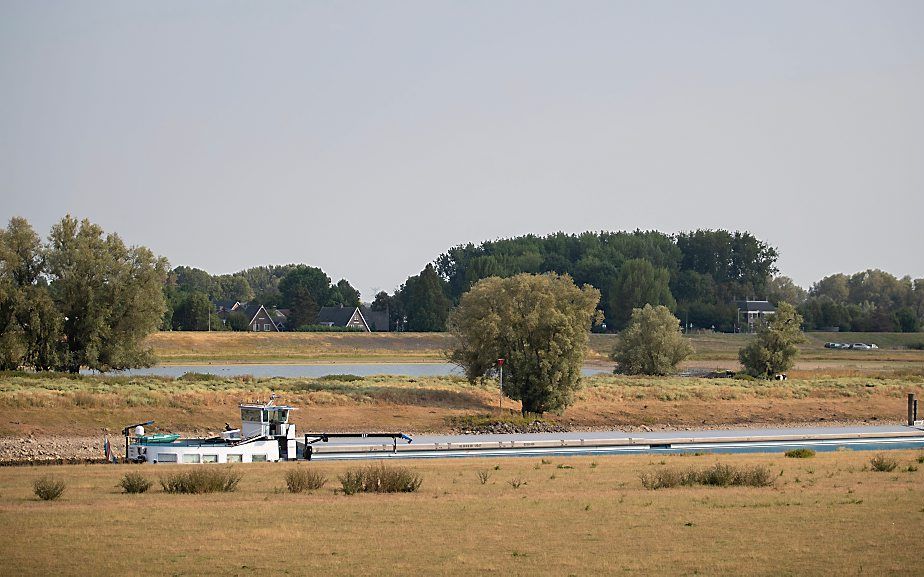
(368, 137)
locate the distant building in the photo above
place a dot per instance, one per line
(260, 319)
(377, 320)
(344, 317)
(751, 313)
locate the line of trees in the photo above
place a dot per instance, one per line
(80, 299)
(192, 293)
(697, 275)
(868, 301)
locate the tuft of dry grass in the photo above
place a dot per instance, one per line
(48, 488)
(304, 479)
(379, 479)
(202, 479)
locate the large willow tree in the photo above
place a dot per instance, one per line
(84, 299)
(540, 324)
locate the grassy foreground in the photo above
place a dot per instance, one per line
(828, 515)
(86, 405)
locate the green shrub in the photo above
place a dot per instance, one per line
(135, 483)
(341, 378)
(198, 377)
(201, 480)
(48, 488)
(303, 479)
(883, 464)
(800, 454)
(379, 479)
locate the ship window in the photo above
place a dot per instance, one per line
(191, 458)
(258, 458)
(251, 415)
(166, 458)
(209, 458)
(235, 458)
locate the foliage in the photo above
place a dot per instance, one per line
(237, 321)
(48, 488)
(379, 479)
(883, 463)
(638, 283)
(303, 289)
(867, 301)
(135, 482)
(719, 475)
(652, 344)
(345, 294)
(538, 323)
(800, 453)
(425, 299)
(304, 479)
(774, 349)
(783, 289)
(83, 299)
(204, 479)
(192, 313)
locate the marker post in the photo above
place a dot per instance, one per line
(500, 401)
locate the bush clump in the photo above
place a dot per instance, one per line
(48, 488)
(800, 454)
(718, 475)
(201, 480)
(195, 377)
(301, 480)
(883, 464)
(135, 483)
(343, 378)
(379, 479)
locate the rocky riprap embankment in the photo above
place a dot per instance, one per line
(48, 448)
(502, 427)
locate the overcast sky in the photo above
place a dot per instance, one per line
(368, 137)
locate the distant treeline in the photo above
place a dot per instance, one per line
(698, 275)
(192, 295)
(869, 301)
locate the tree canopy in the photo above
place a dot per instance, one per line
(774, 348)
(83, 299)
(539, 324)
(651, 344)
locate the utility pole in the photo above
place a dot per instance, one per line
(500, 400)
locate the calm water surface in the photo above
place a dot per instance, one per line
(318, 370)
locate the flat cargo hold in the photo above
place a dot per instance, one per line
(606, 442)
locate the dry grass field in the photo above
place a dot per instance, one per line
(712, 350)
(827, 515)
(87, 405)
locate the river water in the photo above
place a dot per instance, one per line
(310, 371)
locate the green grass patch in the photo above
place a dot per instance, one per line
(800, 454)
